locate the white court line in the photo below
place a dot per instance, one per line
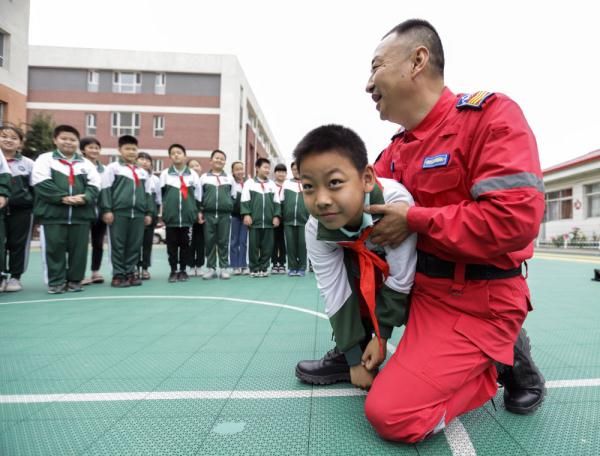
(567, 258)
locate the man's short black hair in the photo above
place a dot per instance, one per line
(333, 138)
(145, 155)
(217, 151)
(179, 146)
(259, 162)
(87, 141)
(65, 129)
(127, 139)
(280, 167)
(423, 33)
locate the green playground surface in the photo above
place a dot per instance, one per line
(207, 368)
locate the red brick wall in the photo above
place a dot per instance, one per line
(16, 105)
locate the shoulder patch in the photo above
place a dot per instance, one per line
(473, 100)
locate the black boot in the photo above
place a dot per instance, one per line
(524, 384)
(331, 368)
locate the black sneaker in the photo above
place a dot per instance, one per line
(134, 279)
(332, 368)
(182, 276)
(74, 286)
(173, 277)
(119, 281)
(57, 289)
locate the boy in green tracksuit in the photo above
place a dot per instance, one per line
(261, 211)
(181, 196)
(218, 195)
(66, 186)
(127, 206)
(5, 177)
(294, 216)
(18, 218)
(144, 161)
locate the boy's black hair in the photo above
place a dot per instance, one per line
(260, 161)
(65, 129)
(217, 151)
(16, 130)
(87, 141)
(145, 155)
(280, 167)
(235, 163)
(336, 138)
(179, 146)
(127, 139)
(293, 164)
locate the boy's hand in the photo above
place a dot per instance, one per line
(3, 201)
(68, 200)
(200, 218)
(275, 222)
(78, 200)
(108, 218)
(361, 377)
(371, 357)
(147, 220)
(247, 220)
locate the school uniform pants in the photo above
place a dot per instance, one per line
(178, 247)
(197, 248)
(147, 241)
(216, 239)
(98, 231)
(278, 257)
(18, 225)
(296, 247)
(64, 252)
(238, 244)
(260, 248)
(443, 367)
(126, 234)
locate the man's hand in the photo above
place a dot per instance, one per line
(392, 229)
(247, 220)
(147, 220)
(275, 222)
(108, 218)
(361, 377)
(371, 357)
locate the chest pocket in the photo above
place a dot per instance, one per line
(439, 186)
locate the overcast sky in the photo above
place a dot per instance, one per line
(308, 61)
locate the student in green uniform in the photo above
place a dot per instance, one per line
(278, 258)
(66, 186)
(261, 211)
(127, 206)
(19, 218)
(90, 148)
(218, 194)
(196, 256)
(144, 161)
(294, 216)
(5, 178)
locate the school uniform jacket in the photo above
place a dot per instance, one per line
(218, 193)
(21, 191)
(180, 209)
(337, 274)
(5, 177)
(126, 191)
(53, 177)
(261, 202)
(293, 210)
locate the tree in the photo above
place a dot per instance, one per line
(39, 136)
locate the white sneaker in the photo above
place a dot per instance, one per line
(237, 271)
(224, 274)
(209, 274)
(245, 271)
(2, 283)
(13, 285)
(255, 274)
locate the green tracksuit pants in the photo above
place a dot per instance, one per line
(64, 252)
(18, 234)
(2, 240)
(126, 235)
(296, 247)
(145, 260)
(260, 248)
(216, 239)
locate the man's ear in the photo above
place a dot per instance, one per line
(368, 179)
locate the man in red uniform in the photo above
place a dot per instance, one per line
(471, 163)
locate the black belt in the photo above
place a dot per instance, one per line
(435, 267)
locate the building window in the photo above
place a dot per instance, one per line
(90, 124)
(125, 123)
(127, 82)
(559, 205)
(160, 83)
(3, 49)
(2, 112)
(159, 126)
(114, 158)
(158, 166)
(592, 199)
(93, 79)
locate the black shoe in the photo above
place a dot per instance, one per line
(74, 286)
(173, 277)
(182, 276)
(332, 368)
(524, 384)
(134, 279)
(119, 281)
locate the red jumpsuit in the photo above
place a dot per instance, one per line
(472, 167)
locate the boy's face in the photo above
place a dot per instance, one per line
(143, 162)
(129, 153)
(91, 151)
(67, 143)
(280, 176)
(238, 172)
(295, 172)
(177, 156)
(217, 162)
(195, 166)
(263, 171)
(334, 190)
(9, 140)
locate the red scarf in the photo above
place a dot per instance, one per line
(135, 176)
(71, 170)
(182, 187)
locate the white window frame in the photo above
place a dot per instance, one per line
(157, 165)
(160, 83)
(562, 200)
(590, 195)
(93, 81)
(118, 129)
(91, 124)
(158, 126)
(118, 86)
(4, 49)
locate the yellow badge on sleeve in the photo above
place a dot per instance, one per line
(473, 100)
